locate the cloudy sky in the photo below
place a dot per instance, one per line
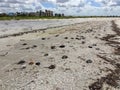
(68, 7)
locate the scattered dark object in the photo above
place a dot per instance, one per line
(118, 65)
(56, 35)
(97, 48)
(83, 42)
(117, 50)
(94, 44)
(96, 86)
(27, 48)
(31, 63)
(34, 46)
(62, 46)
(82, 37)
(8, 45)
(89, 30)
(96, 37)
(29, 83)
(24, 44)
(37, 63)
(66, 38)
(57, 88)
(43, 38)
(52, 67)
(78, 38)
(81, 58)
(72, 38)
(24, 67)
(89, 61)
(14, 69)
(64, 57)
(46, 54)
(67, 69)
(90, 46)
(52, 47)
(21, 62)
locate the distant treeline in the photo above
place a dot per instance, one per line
(6, 17)
(93, 16)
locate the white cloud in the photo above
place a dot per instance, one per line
(69, 7)
(109, 2)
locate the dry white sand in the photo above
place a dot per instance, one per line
(77, 51)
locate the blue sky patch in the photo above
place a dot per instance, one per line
(48, 4)
(93, 3)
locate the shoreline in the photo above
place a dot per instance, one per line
(17, 26)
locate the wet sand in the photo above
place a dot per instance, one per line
(80, 56)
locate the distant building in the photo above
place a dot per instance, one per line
(11, 14)
(46, 13)
(32, 14)
(41, 13)
(37, 14)
(59, 15)
(3, 14)
(63, 15)
(22, 14)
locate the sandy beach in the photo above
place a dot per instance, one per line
(64, 54)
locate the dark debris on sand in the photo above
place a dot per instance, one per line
(64, 57)
(53, 47)
(62, 46)
(112, 78)
(52, 67)
(21, 62)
